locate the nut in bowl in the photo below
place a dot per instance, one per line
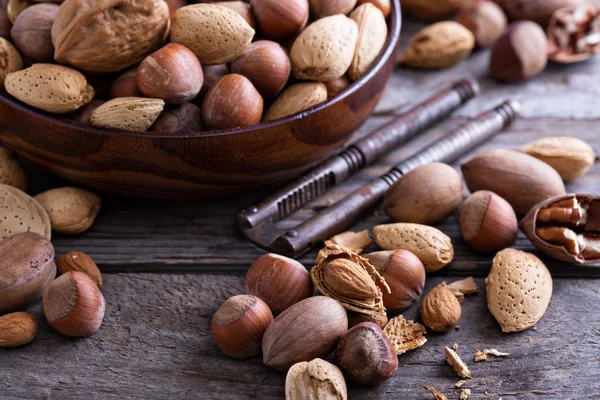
(179, 164)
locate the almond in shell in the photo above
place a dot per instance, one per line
(297, 98)
(128, 113)
(11, 172)
(21, 213)
(372, 34)
(71, 210)
(316, 379)
(17, 329)
(10, 59)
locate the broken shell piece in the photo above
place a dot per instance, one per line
(355, 241)
(457, 363)
(437, 394)
(405, 335)
(462, 288)
(460, 384)
(482, 355)
(574, 34)
(464, 394)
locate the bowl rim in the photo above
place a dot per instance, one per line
(390, 46)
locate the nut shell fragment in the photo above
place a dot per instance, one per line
(405, 335)
(315, 380)
(355, 241)
(457, 363)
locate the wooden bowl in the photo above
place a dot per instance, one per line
(201, 164)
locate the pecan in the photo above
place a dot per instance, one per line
(574, 34)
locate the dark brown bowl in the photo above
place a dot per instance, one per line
(202, 164)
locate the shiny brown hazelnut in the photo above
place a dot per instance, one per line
(488, 222)
(355, 318)
(280, 281)
(5, 24)
(404, 274)
(440, 309)
(485, 19)
(520, 53)
(172, 73)
(31, 32)
(337, 86)
(232, 102)
(73, 305)
(366, 356)
(325, 8)
(84, 113)
(280, 20)
(239, 325)
(384, 5)
(126, 85)
(179, 119)
(212, 73)
(267, 65)
(242, 8)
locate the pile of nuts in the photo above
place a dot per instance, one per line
(356, 315)
(186, 67)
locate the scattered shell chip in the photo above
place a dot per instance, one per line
(455, 347)
(437, 395)
(457, 363)
(464, 394)
(405, 335)
(460, 384)
(355, 241)
(483, 355)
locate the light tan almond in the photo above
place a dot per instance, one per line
(325, 49)
(11, 172)
(128, 113)
(71, 210)
(78, 261)
(216, 34)
(372, 35)
(316, 380)
(430, 245)
(17, 329)
(21, 213)
(10, 59)
(440, 45)
(50, 87)
(297, 98)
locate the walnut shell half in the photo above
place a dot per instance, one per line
(110, 35)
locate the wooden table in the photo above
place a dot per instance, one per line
(168, 266)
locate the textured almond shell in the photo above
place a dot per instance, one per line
(520, 179)
(71, 210)
(569, 156)
(10, 59)
(17, 329)
(440, 45)
(405, 335)
(297, 98)
(128, 113)
(372, 35)
(21, 213)
(11, 172)
(519, 288)
(325, 49)
(50, 87)
(109, 35)
(216, 34)
(317, 380)
(430, 245)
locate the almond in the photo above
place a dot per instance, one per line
(519, 288)
(216, 34)
(430, 245)
(325, 49)
(21, 213)
(10, 59)
(316, 379)
(297, 98)
(440, 45)
(50, 87)
(71, 210)
(11, 172)
(78, 261)
(372, 35)
(128, 113)
(17, 329)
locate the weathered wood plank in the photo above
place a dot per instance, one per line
(155, 343)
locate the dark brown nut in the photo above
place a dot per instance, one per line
(337, 86)
(126, 85)
(80, 40)
(5, 24)
(31, 32)
(574, 34)
(355, 318)
(179, 119)
(84, 113)
(78, 261)
(325, 8)
(485, 19)
(539, 11)
(566, 228)
(212, 73)
(384, 5)
(242, 8)
(440, 310)
(280, 20)
(520, 53)
(366, 356)
(432, 10)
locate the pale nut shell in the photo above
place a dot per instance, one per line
(405, 335)
(98, 36)
(355, 241)
(21, 213)
(440, 45)
(50, 87)
(10, 59)
(128, 113)
(430, 245)
(325, 49)
(71, 210)
(569, 156)
(317, 379)
(297, 98)
(17, 329)
(11, 172)
(216, 34)
(372, 35)
(519, 288)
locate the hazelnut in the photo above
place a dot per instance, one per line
(84, 113)
(172, 73)
(384, 5)
(242, 8)
(78, 261)
(440, 309)
(26, 267)
(232, 102)
(485, 19)
(179, 119)
(5, 24)
(239, 325)
(425, 195)
(520, 53)
(366, 356)
(325, 8)
(212, 73)
(280, 281)
(355, 318)
(279, 20)
(404, 274)
(337, 86)
(488, 222)
(31, 32)
(267, 65)
(126, 85)
(73, 305)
